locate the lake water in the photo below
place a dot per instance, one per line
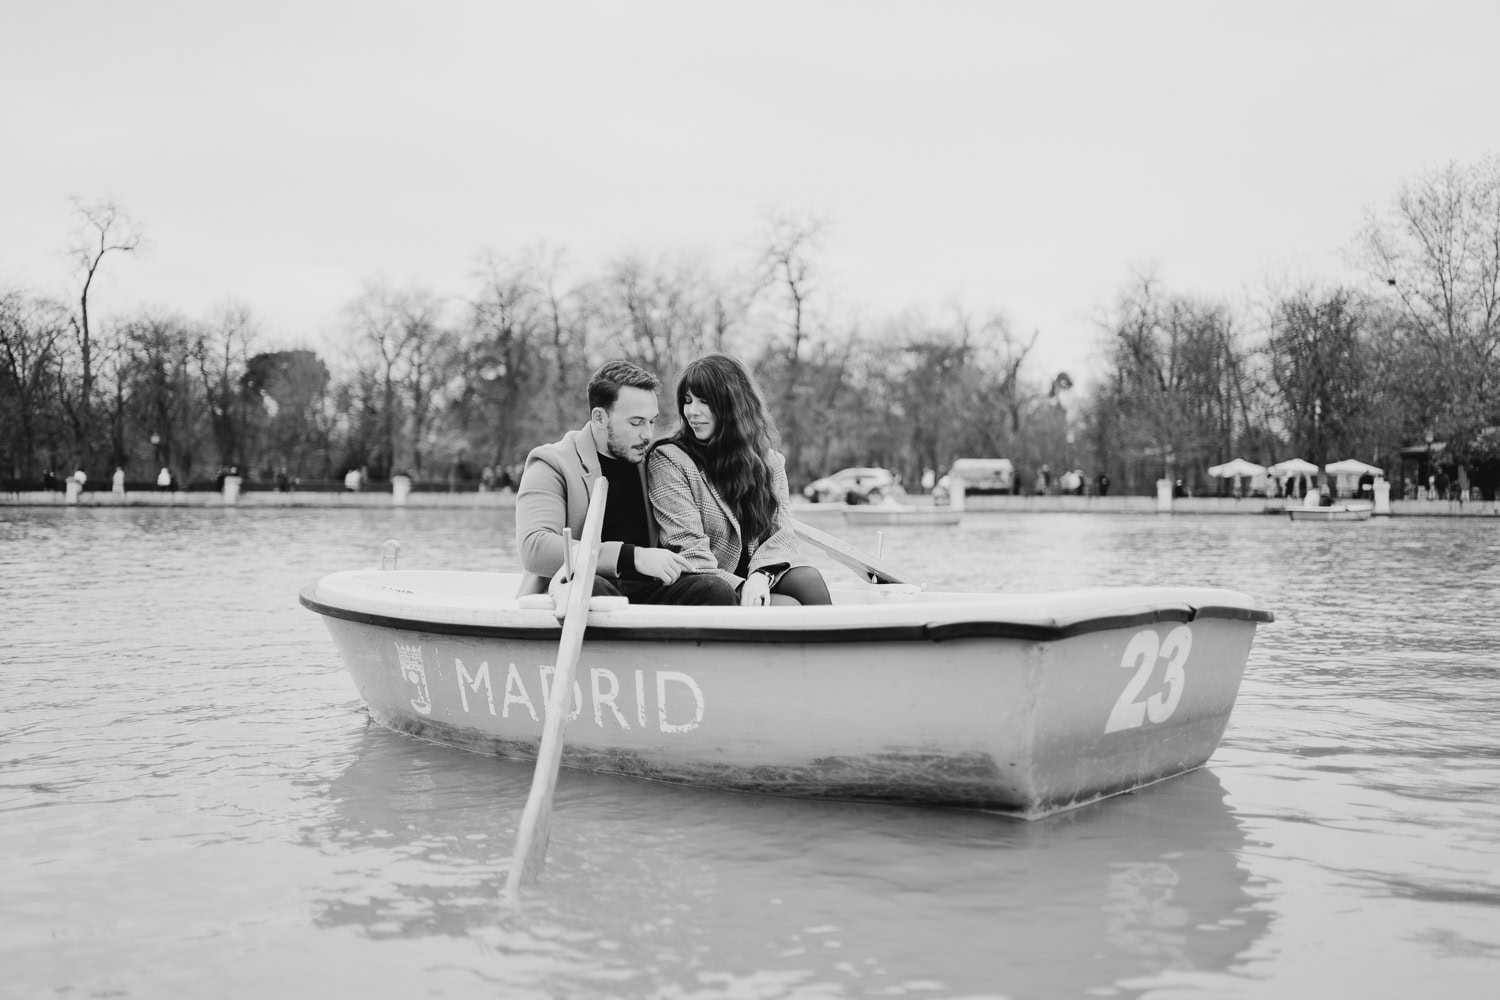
(193, 804)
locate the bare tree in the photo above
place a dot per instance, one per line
(788, 269)
(404, 342)
(1437, 250)
(30, 332)
(222, 352)
(788, 274)
(163, 398)
(661, 314)
(1324, 371)
(842, 392)
(520, 359)
(1169, 399)
(953, 387)
(431, 344)
(1000, 355)
(106, 229)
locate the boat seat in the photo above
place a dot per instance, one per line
(599, 602)
(873, 594)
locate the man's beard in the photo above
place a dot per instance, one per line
(613, 446)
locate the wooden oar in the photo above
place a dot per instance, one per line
(862, 563)
(536, 819)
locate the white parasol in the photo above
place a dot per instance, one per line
(1293, 467)
(1234, 468)
(1353, 467)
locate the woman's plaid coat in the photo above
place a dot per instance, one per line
(696, 521)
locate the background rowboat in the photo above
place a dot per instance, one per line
(890, 513)
(1351, 511)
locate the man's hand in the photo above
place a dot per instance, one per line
(558, 589)
(756, 591)
(663, 564)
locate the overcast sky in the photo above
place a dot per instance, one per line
(1024, 158)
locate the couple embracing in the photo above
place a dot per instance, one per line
(700, 517)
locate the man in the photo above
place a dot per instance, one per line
(554, 494)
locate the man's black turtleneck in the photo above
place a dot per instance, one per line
(625, 513)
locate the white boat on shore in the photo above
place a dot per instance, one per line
(827, 514)
(898, 513)
(1022, 703)
(1352, 510)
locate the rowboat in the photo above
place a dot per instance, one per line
(1351, 511)
(1025, 704)
(893, 513)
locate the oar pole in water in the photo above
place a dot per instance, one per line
(536, 820)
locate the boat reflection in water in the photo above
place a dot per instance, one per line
(646, 882)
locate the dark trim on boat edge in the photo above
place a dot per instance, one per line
(941, 632)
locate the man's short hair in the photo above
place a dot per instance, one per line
(604, 387)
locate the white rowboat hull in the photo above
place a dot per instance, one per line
(1026, 704)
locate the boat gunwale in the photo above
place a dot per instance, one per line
(919, 632)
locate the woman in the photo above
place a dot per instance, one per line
(719, 491)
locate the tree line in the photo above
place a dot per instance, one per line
(440, 388)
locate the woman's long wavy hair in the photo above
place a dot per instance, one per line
(735, 458)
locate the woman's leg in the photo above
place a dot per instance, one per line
(804, 585)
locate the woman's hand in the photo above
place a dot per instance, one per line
(755, 592)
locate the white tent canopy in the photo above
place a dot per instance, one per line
(1234, 468)
(1352, 467)
(1293, 467)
